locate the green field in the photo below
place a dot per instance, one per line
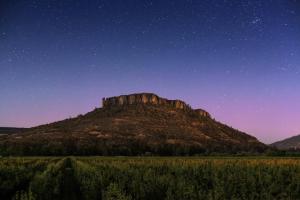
(149, 178)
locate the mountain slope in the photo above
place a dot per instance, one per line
(292, 143)
(135, 128)
(10, 130)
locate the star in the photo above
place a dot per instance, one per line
(256, 21)
(282, 69)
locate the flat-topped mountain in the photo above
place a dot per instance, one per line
(135, 124)
(292, 143)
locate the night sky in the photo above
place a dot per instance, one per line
(239, 60)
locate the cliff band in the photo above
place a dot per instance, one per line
(149, 98)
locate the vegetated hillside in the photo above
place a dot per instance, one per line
(292, 143)
(131, 130)
(10, 130)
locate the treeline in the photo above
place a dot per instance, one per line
(128, 148)
(149, 178)
(282, 153)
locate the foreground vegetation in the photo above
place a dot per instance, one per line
(149, 178)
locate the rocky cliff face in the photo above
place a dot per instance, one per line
(149, 98)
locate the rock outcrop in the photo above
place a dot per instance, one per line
(202, 112)
(149, 98)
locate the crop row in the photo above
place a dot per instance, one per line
(149, 178)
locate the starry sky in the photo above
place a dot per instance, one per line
(239, 60)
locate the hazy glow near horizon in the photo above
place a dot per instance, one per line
(239, 60)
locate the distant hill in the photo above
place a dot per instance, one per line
(136, 124)
(10, 130)
(292, 143)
